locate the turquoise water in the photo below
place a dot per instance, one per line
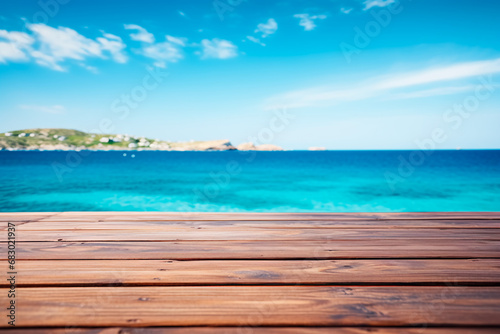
(295, 181)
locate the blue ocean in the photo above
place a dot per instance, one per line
(234, 181)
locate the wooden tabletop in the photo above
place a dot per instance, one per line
(180, 273)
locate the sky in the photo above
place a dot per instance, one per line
(339, 74)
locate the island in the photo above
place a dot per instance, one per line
(74, 140)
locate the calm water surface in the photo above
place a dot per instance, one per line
(337, 181)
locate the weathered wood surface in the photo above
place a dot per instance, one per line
(234, 234)
(258, 330)
(258, 305)
(234, 272)
(262, 250)
(48, 225)
(297, 273)
(164, 216)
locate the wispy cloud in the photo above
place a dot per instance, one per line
(115, 46)
(440, 91)
(255, 40)
(177, 40)
(346, 10)
(218, 48)
(169, 51)
(377, 3)
(307, 21)
(55, 109)
(14, 46)
(264, 29)
(444, 73)
(321, 96)
(51, 47)
(59, 44)
(268, 28)
(89, 68)
(142, 35)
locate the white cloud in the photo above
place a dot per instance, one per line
(377, 3)
(115, 46)
(142, 35)
(177, 40)
(316, 96)
(255, 40)
(64, 42)
(268, 28)
(14, 45)
(18, 37)
(47, 60)
(57, 45)
(346, 10)
(264, 29)
(307, 21)
(166, 52)
(163, 53)
(90, 68)
(55, 109)
(11, 52)
(445, 73)
(50, 47)
(432, 92)
(218, 48)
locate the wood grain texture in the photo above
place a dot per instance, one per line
(258, 330)
(264, 224)
(347, 273)
(25, 216)
(305, 272)
(257, 306)
(241, 234)
(260, 250)
(168, 216)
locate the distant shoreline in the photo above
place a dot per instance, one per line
(284, 150)
(140, 150)
(74, 140)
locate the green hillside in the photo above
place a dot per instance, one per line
(33, 138)
(67, 139)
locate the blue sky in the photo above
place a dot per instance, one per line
(346, 74)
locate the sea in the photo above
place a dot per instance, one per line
(236, 181)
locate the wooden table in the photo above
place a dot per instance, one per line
(348, 273)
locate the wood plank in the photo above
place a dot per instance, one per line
(223, 234)
(169, 272)
(256, 306)
(166, 216)
(323, 224)
(25, 216)
(258, 330)
(264, 250)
